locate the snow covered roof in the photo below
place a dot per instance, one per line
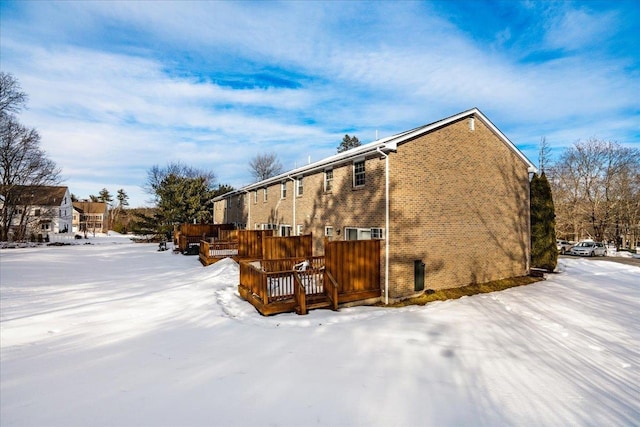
(385, 145)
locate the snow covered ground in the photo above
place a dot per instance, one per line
(119, 334)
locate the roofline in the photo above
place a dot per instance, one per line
(385, 144)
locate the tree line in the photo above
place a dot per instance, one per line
(596, 192)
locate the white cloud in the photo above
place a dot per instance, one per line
(108, 106)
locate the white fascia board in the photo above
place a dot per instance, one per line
(504, 139)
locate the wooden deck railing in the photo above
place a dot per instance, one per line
(331, 289)
(349, 271)
(259, 279)
(300, 294)
(211, 252)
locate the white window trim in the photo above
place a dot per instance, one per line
(361, 232)
(265, 194)
(328, 231)
(283, 190)
(364, 172)
(283, 227)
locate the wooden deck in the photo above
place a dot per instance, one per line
(212, 252)
(187, 235)
(349, 271)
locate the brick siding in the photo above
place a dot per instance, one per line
(459, 203)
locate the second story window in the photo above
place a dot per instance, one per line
(265, 193)
(299, 187)
(283, 190)
(328, 180)
(255, 196)
(358, 174)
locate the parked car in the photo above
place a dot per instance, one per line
(563, 246)
(589, 248)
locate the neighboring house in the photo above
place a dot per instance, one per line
(90, 217)
(450, 199)
(37, 211)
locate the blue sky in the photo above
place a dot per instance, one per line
(117, 87)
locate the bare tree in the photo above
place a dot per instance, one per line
(12, 99)
(264, 166)
(595, 185)
(22, 164)
(544, 154)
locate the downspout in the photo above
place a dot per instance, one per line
(293, 196)
(247, 227)
(386, 226)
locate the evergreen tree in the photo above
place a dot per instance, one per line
(145, 222)
(348, 142)
(222, 189)
(182, 195)
(123, 198)
(104, 196)
(544, 252)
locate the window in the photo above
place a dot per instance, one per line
(285, 230)
(328, 232)
(283, 190)
(358, 174)
(299, 186)
(265, 193)
(269, 227)
(377, 233)
(364, 233)
(328, 180)
(255, 197)
(299, 229)
(36, 212)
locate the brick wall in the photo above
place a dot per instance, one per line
(460, 204)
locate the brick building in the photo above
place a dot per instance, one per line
(450, 199)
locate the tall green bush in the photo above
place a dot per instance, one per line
(544, 252)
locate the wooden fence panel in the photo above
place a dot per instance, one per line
(209, 230)
(287, 247)
(355, 264)
(228, 235)
(250, 243)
